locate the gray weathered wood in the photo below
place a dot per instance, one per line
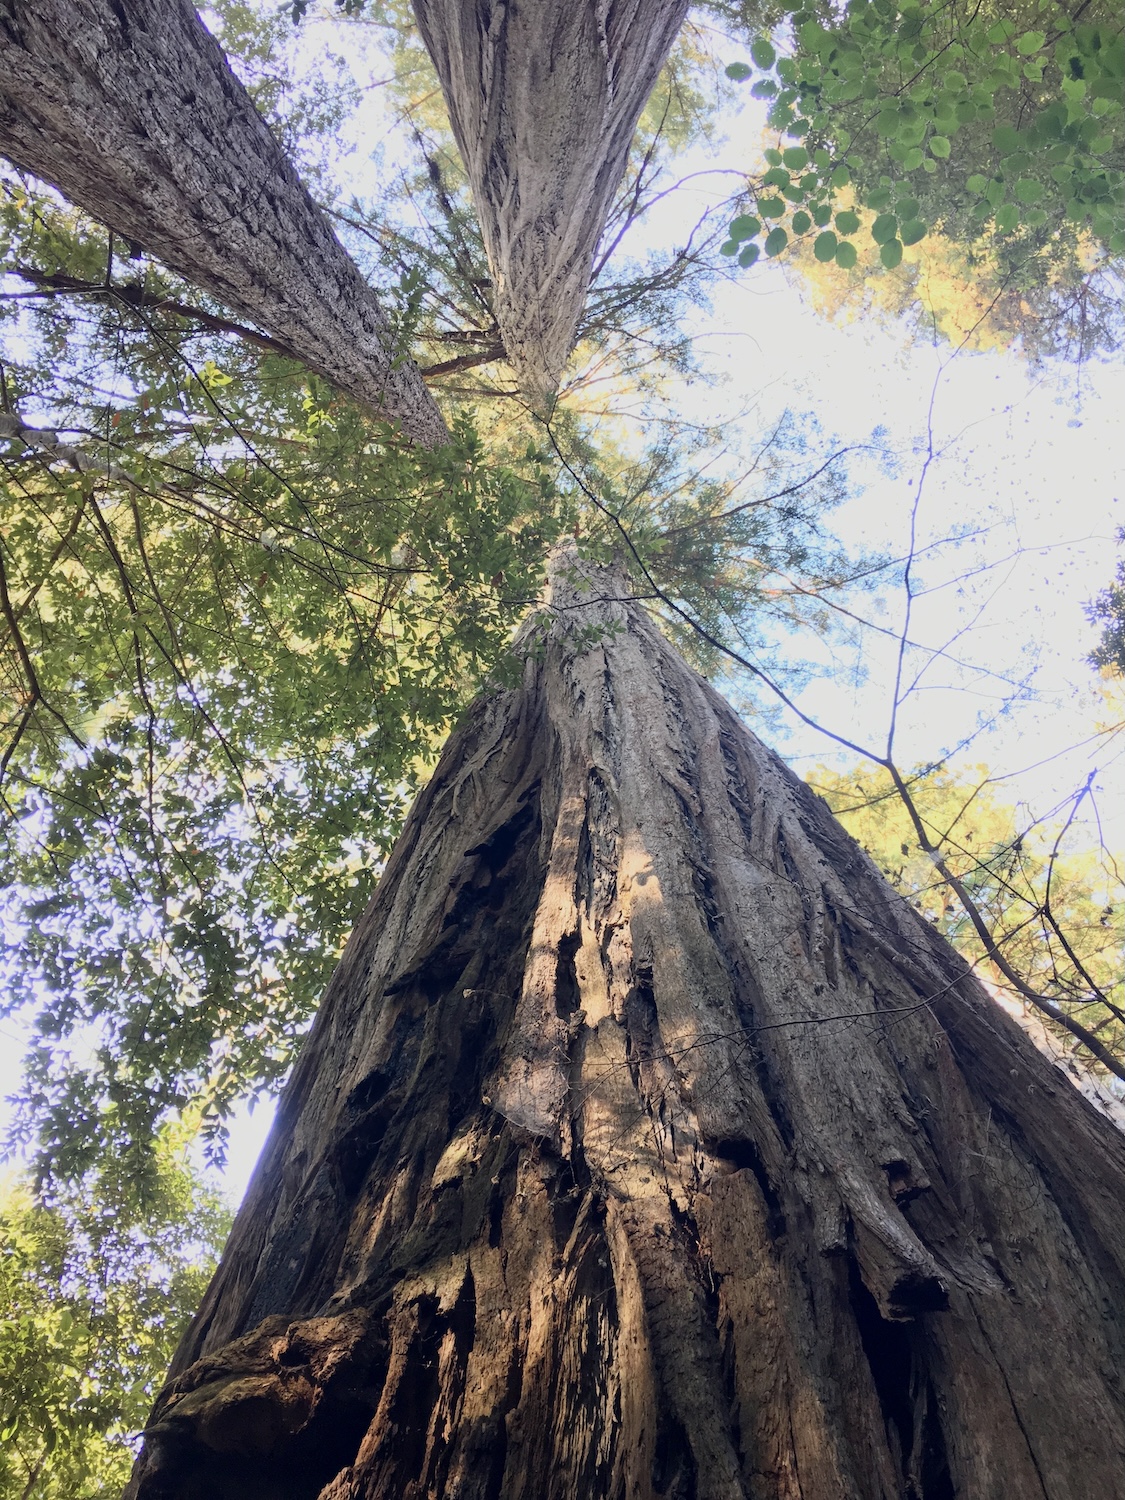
(544, 98)
(131, 111)
(649, 1146)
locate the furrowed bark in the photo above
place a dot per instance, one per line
(544, 97)
(648, 1145)
(131, 111)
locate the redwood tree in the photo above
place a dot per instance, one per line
(650, 1145)
(647, 1144)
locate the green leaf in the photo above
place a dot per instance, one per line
(884, 229)
(1027, 190)
(1006, 138)
(977, 184)
(738, 71)
(847, 221)
(841, 177)
(913, 159)
(912, 231)
(802, 223)
(772, 156)
(891, 254)
(1016, 164)
(1001, 32)
(776, 241)
(1030, 42)
(825, 246)
(1007, 217)
(749, 255)
(763, 53)
(745, 227)
(939, 146)
(765, 88)
(846, 255)
(795, 157)
(886, 122)
(729, 247)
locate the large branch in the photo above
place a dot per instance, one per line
(131, 111)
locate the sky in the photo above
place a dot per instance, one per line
(1024, 481)
(1015, 514)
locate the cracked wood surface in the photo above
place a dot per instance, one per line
(544, 97)
(132, 112)
(649, 1146)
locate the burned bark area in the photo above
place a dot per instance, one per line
(655, 1148)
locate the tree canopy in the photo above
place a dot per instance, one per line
(93, 1300)
(1108, 611)
(243, 604)
(996, 129)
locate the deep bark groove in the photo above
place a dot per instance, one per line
(648, 1145)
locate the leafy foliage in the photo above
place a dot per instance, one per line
(240, 615)
(960, 292)
(92, 1304)
(1108, 611)
(997, 127)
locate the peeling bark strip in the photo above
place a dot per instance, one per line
(544, 97)
(649, 1147)
(131, 111)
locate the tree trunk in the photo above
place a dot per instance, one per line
(648, 1145)
(544, 97)
(131, 111)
